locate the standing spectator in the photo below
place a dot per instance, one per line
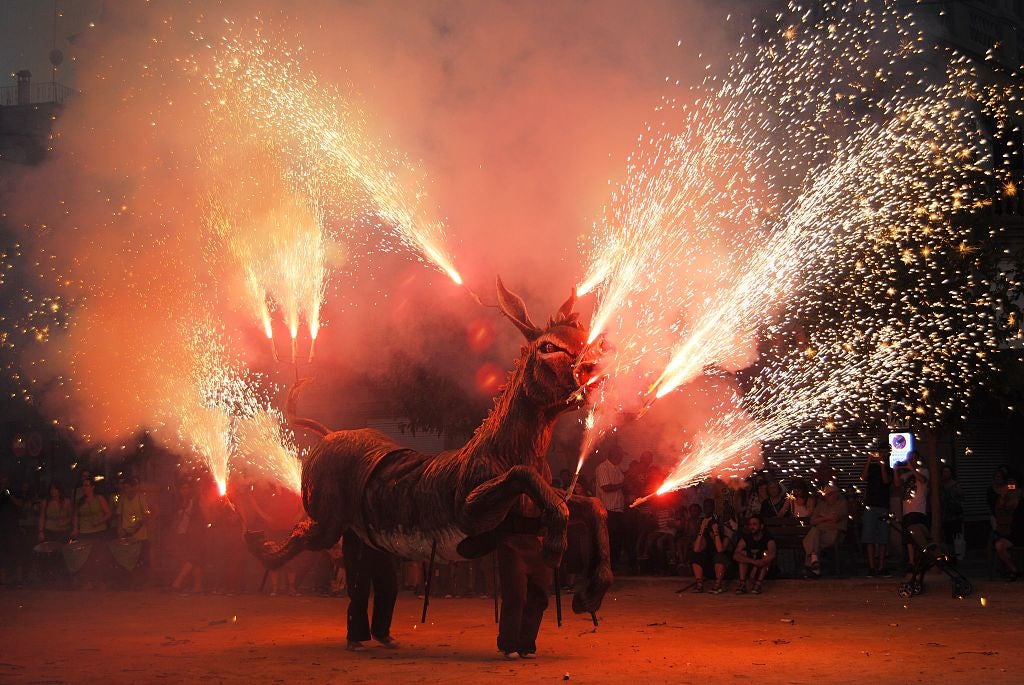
(997, 487)
(226, 554)
(1010, 529)
(951, 508)
(55, 516)
(189, 538)
(609, 482)
(914, 478)
(91, 514)
(133, 517)
(710, 549)
(875, 521)
(88, 530)
(281, 509)
(775, 505)
(828, 522)
(754, 553)
(11, 541)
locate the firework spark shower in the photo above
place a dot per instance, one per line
(184, 205)
(833, 136)
(796, 160)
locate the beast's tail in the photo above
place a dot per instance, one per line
(307, 535)
(297, 422)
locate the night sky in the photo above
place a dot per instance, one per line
(27, 35)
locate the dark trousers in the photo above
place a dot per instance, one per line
(369, 569)
(618, 539)
(525, 581)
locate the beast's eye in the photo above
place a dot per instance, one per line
(549, 348)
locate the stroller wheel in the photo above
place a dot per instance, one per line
(962, 588)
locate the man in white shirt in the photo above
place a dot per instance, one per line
(609, 480)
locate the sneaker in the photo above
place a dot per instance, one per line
(355, 646)
(698, 586)
(884, 573)
(527, 655)
(742, 589)
(509, 656)
(1013, 577)
(757, 588)
(872, 573)
(717, 588)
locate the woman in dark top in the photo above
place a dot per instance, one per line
(774, 506)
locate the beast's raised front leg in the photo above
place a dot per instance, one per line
(589, 530)
(489, 503)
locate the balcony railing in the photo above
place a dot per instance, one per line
(48, 92)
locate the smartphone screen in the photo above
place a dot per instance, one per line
(900, 445)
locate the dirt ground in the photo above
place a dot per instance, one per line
(828, 631)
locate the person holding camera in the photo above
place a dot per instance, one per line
(916, 532)
(877, 477)
(754, 553)
(709, 549)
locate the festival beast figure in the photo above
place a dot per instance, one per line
(458, 503)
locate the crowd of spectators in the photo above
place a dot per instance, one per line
(187, 537)
(182, 537)
(767, 525)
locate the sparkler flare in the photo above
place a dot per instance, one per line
(323, 137)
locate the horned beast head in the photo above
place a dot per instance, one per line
(559, 364)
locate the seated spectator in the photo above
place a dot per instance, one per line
(55, 516)
(755, 553)
(685, 538)
(1010, 525)
(827, 523)
(657, 547)
(710, 549)
(801, 501)
(755, 497)
(775, 505)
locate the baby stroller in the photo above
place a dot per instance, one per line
(928, 555)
